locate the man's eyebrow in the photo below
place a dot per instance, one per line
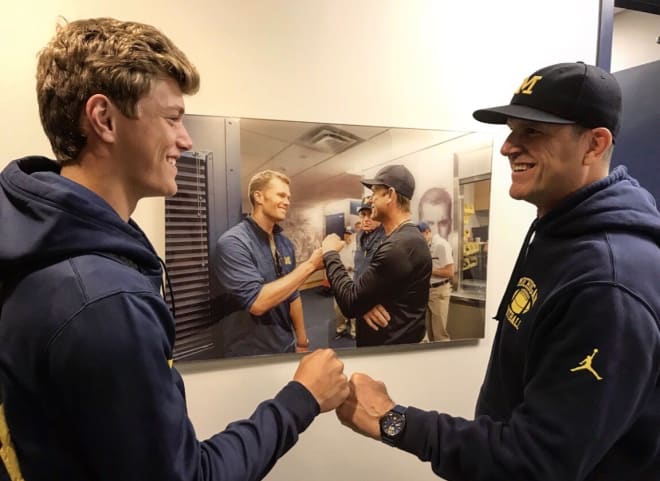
(178, 109)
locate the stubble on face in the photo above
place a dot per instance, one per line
(277, 197)
(546, 162)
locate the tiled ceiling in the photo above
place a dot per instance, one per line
(321, 176)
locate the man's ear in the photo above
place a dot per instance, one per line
(99, 117)
(258, 197)
(599, 142)
(391, 194)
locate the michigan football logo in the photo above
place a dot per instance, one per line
(524, 297)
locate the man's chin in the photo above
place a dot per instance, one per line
(517, 193)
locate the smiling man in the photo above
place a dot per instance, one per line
(88, 389)
(256, 265)
(572, 389)
(389, 293)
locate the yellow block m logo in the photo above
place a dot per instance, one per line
(528, 85)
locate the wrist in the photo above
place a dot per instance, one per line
(393, 425)
(302, 341)
(326, 249)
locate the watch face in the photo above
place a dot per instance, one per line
(392, 424)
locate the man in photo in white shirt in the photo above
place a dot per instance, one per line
(437, 312)
(346, 326)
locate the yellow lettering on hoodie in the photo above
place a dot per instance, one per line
(522, 300)
(7, 452)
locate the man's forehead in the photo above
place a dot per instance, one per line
(278, 184)
(436, 208)
(518, 123)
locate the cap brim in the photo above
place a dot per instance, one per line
(500, 115)
(369, 183)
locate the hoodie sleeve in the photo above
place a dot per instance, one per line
(125, 407)
(569, 418)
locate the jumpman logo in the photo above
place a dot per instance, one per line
(585, 364)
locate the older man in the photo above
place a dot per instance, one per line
(572, 389)
(389, 298)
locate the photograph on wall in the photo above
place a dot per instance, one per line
(306, 184)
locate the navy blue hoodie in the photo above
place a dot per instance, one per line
(86, 377)
(572, 390)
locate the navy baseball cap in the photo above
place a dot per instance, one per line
(364, 206)
(423, 227)
(396, 176)
(564, 93)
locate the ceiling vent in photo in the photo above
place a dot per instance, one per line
(330, 139)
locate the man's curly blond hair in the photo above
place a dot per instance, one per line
(102, 56)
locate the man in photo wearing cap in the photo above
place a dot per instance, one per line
(437, 313)
(572, 388)
(368, 239)
(389, 298)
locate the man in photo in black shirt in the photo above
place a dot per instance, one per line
(389, 298)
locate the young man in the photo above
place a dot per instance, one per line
(87, 386)
(572, 389)
(437, 311)
(389, 298)
(256, 263)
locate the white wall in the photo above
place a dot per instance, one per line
(404, 63)
(634, 39)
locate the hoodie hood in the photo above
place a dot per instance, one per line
(615, 203)
(47, 218)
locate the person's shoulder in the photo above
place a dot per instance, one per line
(119, 275)
(235, 234)
(404, 236)
(438, 240)
(409, 231)
(71, 285)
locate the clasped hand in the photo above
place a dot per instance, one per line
(359, 403)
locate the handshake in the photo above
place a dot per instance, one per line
(359, 403)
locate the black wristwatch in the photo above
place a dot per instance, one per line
(392, 425)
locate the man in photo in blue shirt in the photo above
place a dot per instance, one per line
(256, 264)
